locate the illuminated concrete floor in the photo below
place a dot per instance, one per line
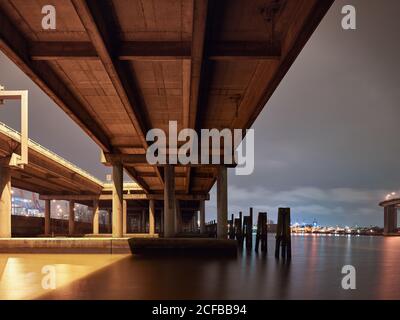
(21, 275)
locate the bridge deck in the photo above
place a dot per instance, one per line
(46, 172)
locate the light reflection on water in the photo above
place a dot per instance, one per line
(313, 273)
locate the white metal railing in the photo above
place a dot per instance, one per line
(15, 135)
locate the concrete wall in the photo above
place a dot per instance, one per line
(34, 226)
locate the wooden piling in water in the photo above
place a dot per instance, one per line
(283, 239)
(261, 235)
(238, 230)
(231, 232)
(248, 229)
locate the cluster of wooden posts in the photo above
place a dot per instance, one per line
(241, 229)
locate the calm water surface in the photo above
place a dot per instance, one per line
(313, 273)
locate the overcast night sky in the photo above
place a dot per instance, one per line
(327, 142)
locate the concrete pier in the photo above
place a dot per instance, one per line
(183, 246)
(222, 203)
(47, 217)
(202, 212)
(169, 201)
(178, 217)
(96, 217)
(124, 217)
(152, 221)
(5, 202)
(71, 220)
(390, 219)
(117, 201)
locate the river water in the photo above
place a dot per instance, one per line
(314, 272)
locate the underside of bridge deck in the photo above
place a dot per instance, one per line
(120, 68)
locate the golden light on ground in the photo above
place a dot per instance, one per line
(21, 275)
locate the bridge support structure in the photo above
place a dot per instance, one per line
(202, 213)
(152, 213)
(169, 201)
(5, 202)
(222, 202)
(117, 201)
(47, 217)
(96, 211)
(71, 220)
(390, 220)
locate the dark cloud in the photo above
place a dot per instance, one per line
(332, 124)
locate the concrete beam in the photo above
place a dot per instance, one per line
(132, 196)
(5, 202)
(132, 160)
(244, 50)
(222, 203)
(160, 50)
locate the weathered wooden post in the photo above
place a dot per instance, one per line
(238, 230)
(261, 235)
(283, 239)
(232, 227)
(248, 229)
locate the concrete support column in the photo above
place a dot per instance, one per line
(390, 219)
(143, 221)
(124, 216)
(71, 221)
(202, 216)
(195, 221)
(222, 202)
(5, 202)
(162, 220)
(117, 201)
(169, 201)
(109, 221)
(152, 219)
(178, 217)
(47, 217)
(96, 217)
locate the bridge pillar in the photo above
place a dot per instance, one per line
(117, 201)
(222, 202)
(96, 216)
(390, 219)
(169, 201)
(71, 220)
(143, 221)
(5, 202)
(202, 216)
(152, 220)
(124, 216)
(195, 219)
(178, 217)
(47, 217)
